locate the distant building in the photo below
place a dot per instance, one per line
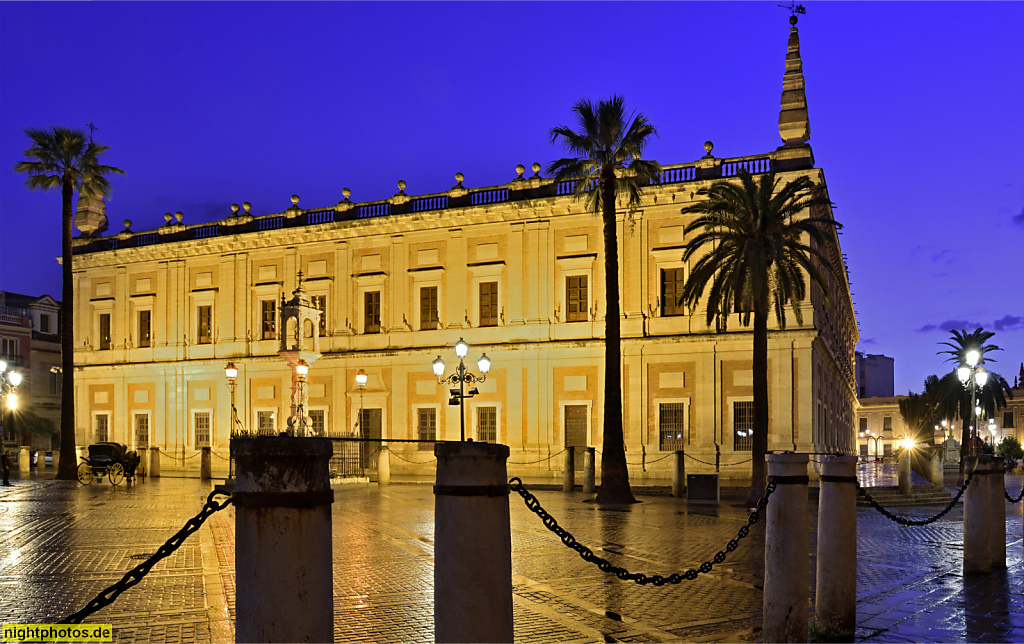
(516, 269)
(875, 376)
(30, 343)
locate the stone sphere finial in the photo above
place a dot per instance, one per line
(520, 169)
(708, 147)
(459, 177)
(793, 19)
(178, 216)
(168, 217)
(246, 206)
(234, 209)
(295, 200)
(536, 169)
(128, 225)
(401, 185)
(346, 193)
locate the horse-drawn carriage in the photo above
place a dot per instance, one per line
(112, 460)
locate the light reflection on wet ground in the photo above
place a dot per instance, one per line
(61, 542)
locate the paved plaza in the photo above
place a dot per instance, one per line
(61, 543)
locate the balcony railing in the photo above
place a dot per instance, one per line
(517, 190)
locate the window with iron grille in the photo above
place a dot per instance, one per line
(743, 426)
(202, 427)
(672, 292)
(102, 428)
(487, 424)
(317, 421)
(428, 307)
(268, 318)
(371, 312)
(55, 382)
(265, 423)
(671, 426)
(488, 304)
(104, 331)
(319, 302)
(145, 328)
(205, 327)
(142, 430)
(426, 427)
(887, 423)
(576, 298)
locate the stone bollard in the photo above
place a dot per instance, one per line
(154, 461)
(24, 460)
(998, 502)
(938, 475)
(283, 548)
(786, 554)
(383, 466)
(472, 544)
(904, 472)
(589, 469)
(569, 473)
(679, 475)
(205, 465)
(835, 612)
(978, 515)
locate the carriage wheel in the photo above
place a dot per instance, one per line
(116, 474)
(85, 474)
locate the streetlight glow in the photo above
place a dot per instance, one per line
(14, 378)
(981, 377)
(361, 378)
(231, 371)
(963, 373)
(3, 366)
(438, 367)
(12, 401)
(484, 363)
(302, 368)
(972, 357)
(461, 348)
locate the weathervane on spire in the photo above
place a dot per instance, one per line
(794, 9)
(93, 127)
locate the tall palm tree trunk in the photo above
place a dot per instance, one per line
(68, 459)
(759, 448)
(614, 475)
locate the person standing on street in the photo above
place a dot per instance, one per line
(7, 465)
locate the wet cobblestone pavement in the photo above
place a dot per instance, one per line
(60, 543)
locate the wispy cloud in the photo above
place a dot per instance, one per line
(1018, 219)
(1009, 323)
(867, 341)
(945, 256)
(1005, 323)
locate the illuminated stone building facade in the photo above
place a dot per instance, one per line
(514, 269)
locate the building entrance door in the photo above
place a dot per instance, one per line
(576, 432)
(369, 428)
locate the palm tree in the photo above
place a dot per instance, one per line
(64, 159)
(607, 164)
(755, 244)
(955, 397)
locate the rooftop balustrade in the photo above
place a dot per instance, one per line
(520, 189)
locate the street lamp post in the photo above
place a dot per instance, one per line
(9, 381)
(869, 438)
(462, 376)
(972, 374)
(361, 383)
(231, 372)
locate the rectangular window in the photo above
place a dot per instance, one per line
(55, 381)
(102, 432)
(576, 299)
(9, 348)
(487, 424)
(864, 450)
(268, 317)
(672, 291)
(317, 421)
(426, 427)
(371, 312)
(887, 423)
(743, 426)
(887, 450)
(863, 424)
(671, 425)
(145, 328)
(202, 427)
(489, 304)
(104, 331)
(142, 430)
(44, 323)
(205, 324)
(319, 302)
(428, 307)
(1007, 419)
(265, 423)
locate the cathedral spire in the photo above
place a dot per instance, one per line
(794, 125)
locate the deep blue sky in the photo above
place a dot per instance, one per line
(915, 117)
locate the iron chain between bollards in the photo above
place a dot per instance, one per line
(516, 484)
(902, 520)
(1011, 499)
(135, 575)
